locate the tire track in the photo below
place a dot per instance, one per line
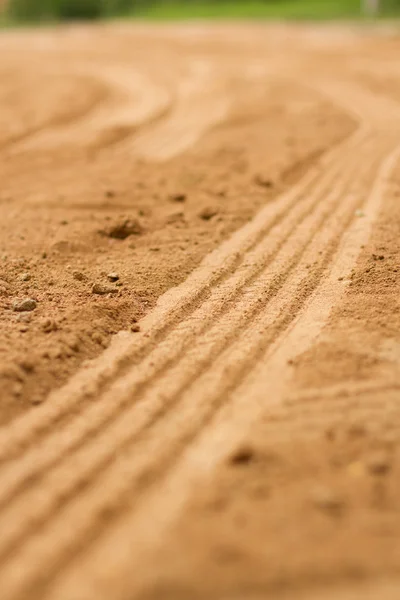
(212, 346)
(159, 508)
(183, 301)
(101, 414)
(17, 477)
(117, 478)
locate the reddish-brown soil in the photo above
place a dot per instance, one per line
(202, 400)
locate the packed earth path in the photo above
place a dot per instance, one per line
(200, 312)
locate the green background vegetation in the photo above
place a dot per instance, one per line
(50, 10)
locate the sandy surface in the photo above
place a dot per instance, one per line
(199, 313)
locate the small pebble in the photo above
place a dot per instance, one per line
(208, 213)
(263, 181)
(25, 277)
(242, 456)
(24, 305)
(35, 401)
(178, 197)
(135, 328)
(113, 276)
(100, 289)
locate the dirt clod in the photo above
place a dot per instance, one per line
(48, 325)
(79, 276)
(178, 197)
(242, 456)
(379, 463)
(208, 213)
(123, 229)
(263, 181)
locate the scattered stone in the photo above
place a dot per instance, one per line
(135, 328)
(27, 365)
(113, 276)
(100, 289)
(242, 456)
(208, 213)
(326, 500)
(25, 277)
(24, 305)
(36, 400)
(178, 197)
(79, 276)
(48, 325)
(263, 181)
(379, 463)
(123, 229)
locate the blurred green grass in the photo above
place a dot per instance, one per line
(283, 9)
(61, 10)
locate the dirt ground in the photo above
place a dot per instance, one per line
(199, 313)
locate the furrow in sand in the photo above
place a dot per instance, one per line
(140, 533)
(200, 104)
(198, 403)
(135, 101)
(340, 390)
(174, 306)
(269, 265)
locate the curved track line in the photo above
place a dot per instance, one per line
(200, 104)
(136, 101)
